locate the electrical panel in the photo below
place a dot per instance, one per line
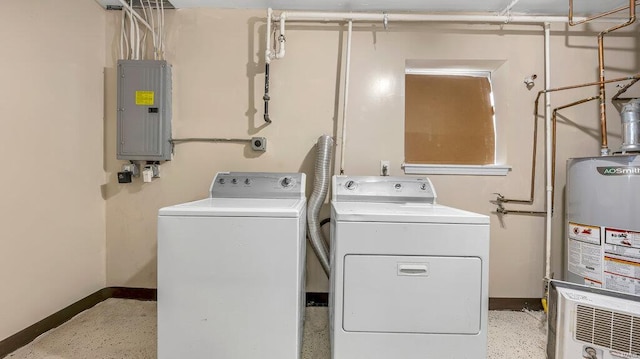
(144, 110)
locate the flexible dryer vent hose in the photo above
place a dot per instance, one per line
(320, 188)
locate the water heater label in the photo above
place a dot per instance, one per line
(584, 233)
(619, 170)
(622, 275)
(621, 237)
(585, 251)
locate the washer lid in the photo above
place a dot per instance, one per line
(404, 213)
(238, 207)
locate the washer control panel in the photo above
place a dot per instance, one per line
(258, 185)
(383, 189)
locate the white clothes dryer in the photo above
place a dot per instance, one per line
(409, 277)
(231, 270)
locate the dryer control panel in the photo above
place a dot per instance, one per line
(383, 189)
(257, 185)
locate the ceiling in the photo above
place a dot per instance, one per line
(529, 7)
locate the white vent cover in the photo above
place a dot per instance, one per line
(608, 329)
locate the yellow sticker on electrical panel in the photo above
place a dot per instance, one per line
(144, 98)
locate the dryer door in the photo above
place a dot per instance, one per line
(412, 294)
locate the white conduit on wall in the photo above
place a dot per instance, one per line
(346, 99)
(267, 52)
(548, 154)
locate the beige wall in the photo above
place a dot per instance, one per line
(218, 83)
(52, 214)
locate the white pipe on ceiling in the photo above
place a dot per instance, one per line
(390, 17)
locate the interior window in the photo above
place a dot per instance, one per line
(449, 118)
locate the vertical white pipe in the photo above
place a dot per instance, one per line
(281, 39)
(346, 98)
(131, 36)
(137, 27)
(153, 32)
(159, 14)
(162, 30)
(123, 37)
(548, 152)
(267, 52)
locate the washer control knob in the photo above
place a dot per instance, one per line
(350, 185)
(234, 181)
(221, 181)
(286, 182)
(397, 186)
(423, 186)
(247, 181)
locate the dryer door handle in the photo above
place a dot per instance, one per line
(413, 269)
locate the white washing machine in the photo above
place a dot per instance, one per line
(231, 270)
(408, 276)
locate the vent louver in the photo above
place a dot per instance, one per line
(608, 329)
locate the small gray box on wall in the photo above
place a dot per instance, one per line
(144, 110)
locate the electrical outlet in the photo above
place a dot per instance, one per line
(384, 168)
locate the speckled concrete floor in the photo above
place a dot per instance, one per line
(118, 328)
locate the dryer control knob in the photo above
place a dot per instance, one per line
(234, 181)
(221, 181)
(423, 187)
(247, 181)
(397, 186)
(350, 185)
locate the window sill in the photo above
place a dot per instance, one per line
(464, 170)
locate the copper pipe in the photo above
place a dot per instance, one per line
(554, 119)
(602, 97)
(501, 199)
(573, 23)
(595, 83)
(533, 162)
(624, 89)
(604, 146)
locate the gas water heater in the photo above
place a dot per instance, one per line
(603, 214)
